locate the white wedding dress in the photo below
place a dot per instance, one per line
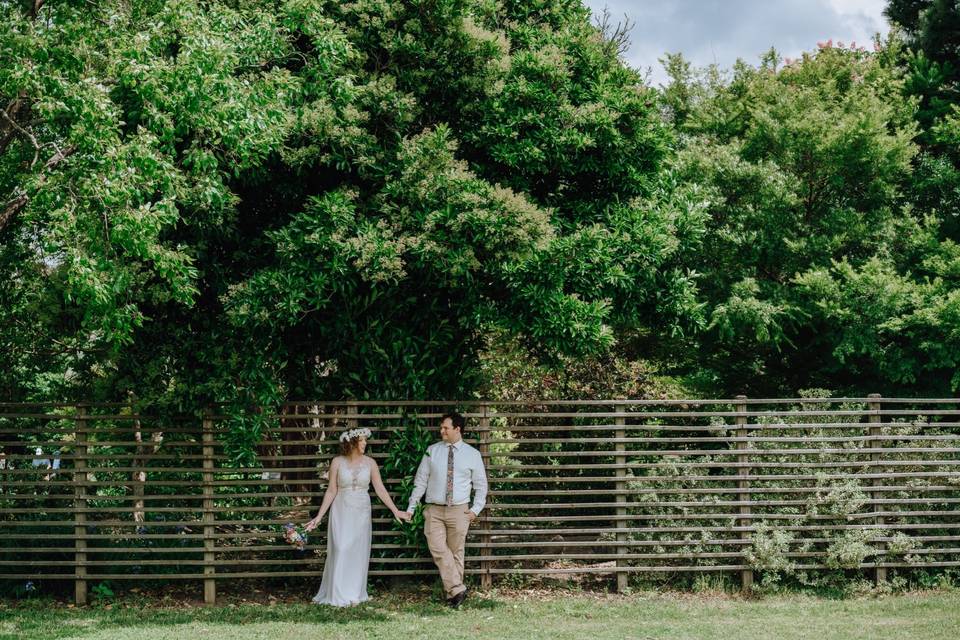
(349, 531)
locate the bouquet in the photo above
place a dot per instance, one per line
(295, 535)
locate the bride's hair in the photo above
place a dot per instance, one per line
(349, 445)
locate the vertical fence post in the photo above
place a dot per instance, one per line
(209, 556)
(486, 579)
(746, 575)
(353, 410)
(621, 498)
(80, 506)
(874, 420)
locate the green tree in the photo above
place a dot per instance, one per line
(251, 200)
(809, 169)
(931, 29)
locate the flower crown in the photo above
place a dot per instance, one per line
(355, 433)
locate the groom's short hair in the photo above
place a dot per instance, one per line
(457, 419)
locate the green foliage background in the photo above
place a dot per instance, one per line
(247, 201)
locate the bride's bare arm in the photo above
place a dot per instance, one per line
(329, 496)
(382, 492)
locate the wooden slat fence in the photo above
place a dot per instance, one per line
(615, 487)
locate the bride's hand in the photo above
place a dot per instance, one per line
(403, 516)
(310, 526)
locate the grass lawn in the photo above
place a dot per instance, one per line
(558, 615)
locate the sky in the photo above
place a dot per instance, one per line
(720, 31)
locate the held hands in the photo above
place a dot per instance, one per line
(402, 516)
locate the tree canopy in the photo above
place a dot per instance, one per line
(250, 200)
(242, 201)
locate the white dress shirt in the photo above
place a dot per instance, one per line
(431, 478)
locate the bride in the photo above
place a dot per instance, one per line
(349, 529)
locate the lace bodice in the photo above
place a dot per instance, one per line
(353, 477)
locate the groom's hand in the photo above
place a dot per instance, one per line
(471, 515)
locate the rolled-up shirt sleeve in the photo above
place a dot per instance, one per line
(479, 486)
(420, 482)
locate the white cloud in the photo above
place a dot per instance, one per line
(720, 31)
(868, 7)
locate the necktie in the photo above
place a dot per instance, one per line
(450, 475)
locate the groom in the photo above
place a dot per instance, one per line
(448, 470)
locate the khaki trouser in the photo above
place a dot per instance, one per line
(446, 531)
